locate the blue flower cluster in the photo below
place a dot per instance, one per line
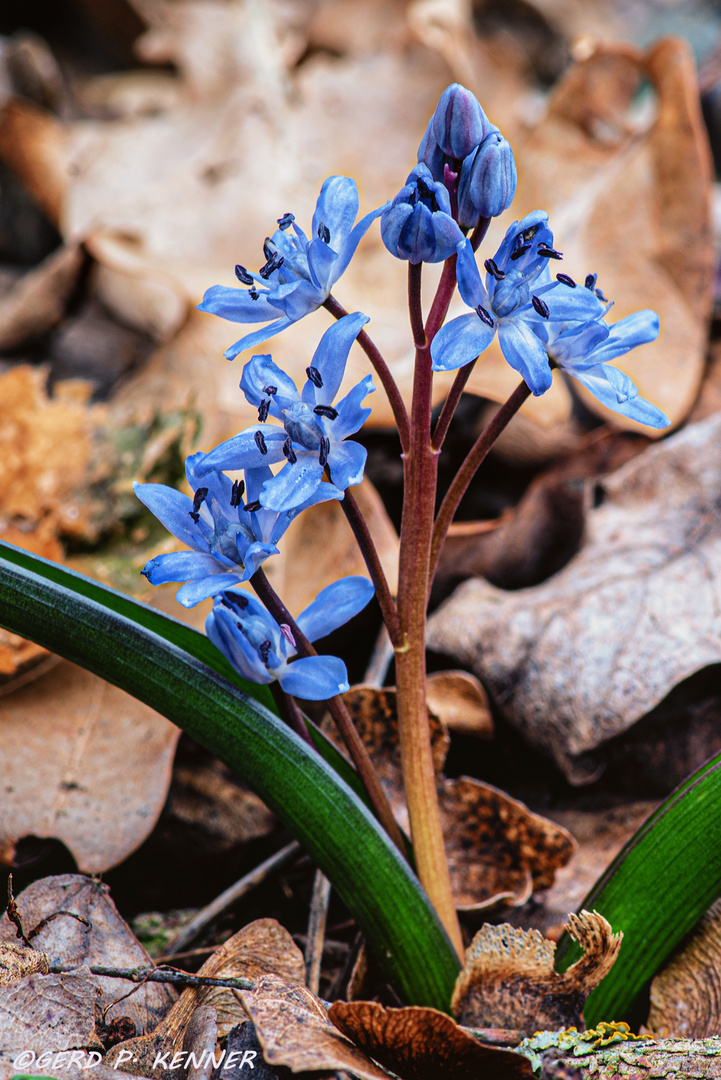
(466, 174)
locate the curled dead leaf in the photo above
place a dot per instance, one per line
(294, 1030)
(583, 656)
(460, 702)
(685, 995)
(421, 1043)
(508, 979)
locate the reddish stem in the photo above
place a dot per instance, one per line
(468, 470)
(372, 560)
(450, 404)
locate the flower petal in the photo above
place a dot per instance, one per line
(460, 341)
(351, 413)
(597, 380)
(348, 248)
(331, 357)
(346, 463)
(242, 451)
(337, 208)
(638, 329)
(335, 605)
(314, 678)
(295, 484)
(470, 285)
(259, 372)
(257, 337)
(194, 591)
(525, 353)
(321, 261)
(225, 635)
(173, 510)
(183, 566)
(236, 305)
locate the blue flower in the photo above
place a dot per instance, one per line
(299, 273)
(229, 541)
(487, 183)
(585, 351)
(418, 225)
(458, 126)
(519, 296)
(261, 650)
(315, 432)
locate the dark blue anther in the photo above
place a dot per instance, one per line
(326, 410)
(493, 270)
(484, 315)
(236, 495)
(590, 281)
(251, 507)
(263, 410)
(565, 279)
(314, 376)
(286, 221)
(253, 293)
(260, 442)
(242, 275)
(270, 390)
(547, 252)
(264, 650)
(289, 451)
(198, 499)
(323, 232)
(540, 307)
(520, 251)
(274, 263)
(324, 451)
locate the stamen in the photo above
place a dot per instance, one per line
(323, 232)
(289, 451)
(270, 390)
(269, 249)
(547, 252)
(198, 500)
(263, 410)
(540, 307)
(251, 507)
(274, 263)
(520, 251)
(484, 316)
(264, 650)
(241, 601)
(253, 293)
(590, 281)
(260, 442)
(314, 376)
(565, 279)
(242, 275)
(527, 235)
(324, 451)
(236, 495)
(493, 270)
(287, 633)
(286, 221)
(326, 410)
(600, 296)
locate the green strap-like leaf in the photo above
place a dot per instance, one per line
(158, 661)
(657, 888)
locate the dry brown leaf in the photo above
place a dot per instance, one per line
(460, 702)
(547, 526)
(221, 811)
(37, 302)
(293, 1028)
(686, 993)
(18, 961)
(83, 762)
(261, 947)
(583, 656)
(50, 1012)
(421, 1044)
(509, 980)
(102, 937)
(34, 145)
(498, 850)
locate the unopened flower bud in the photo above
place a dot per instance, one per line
(459, 122)
(488, 181)
(418, 226)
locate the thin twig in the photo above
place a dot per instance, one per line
(317, 919)
(339, 712)
(451, 404)
(230, 896)
(158, 975)
(375, 568)
(468, 469)
(382, 371)
(414, 304)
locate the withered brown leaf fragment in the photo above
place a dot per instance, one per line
(509, 979)
(686, 994)
(422, 1044)
(17, 961)
(294, 1030)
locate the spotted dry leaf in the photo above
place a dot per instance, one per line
(294, 1030)
(260, 948)
(423, 1044)
(686, 994)
(17, 961)
(509, 980)
(498, 851)
(580, 658)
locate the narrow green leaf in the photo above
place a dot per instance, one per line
(137, 649)
(657, 888)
